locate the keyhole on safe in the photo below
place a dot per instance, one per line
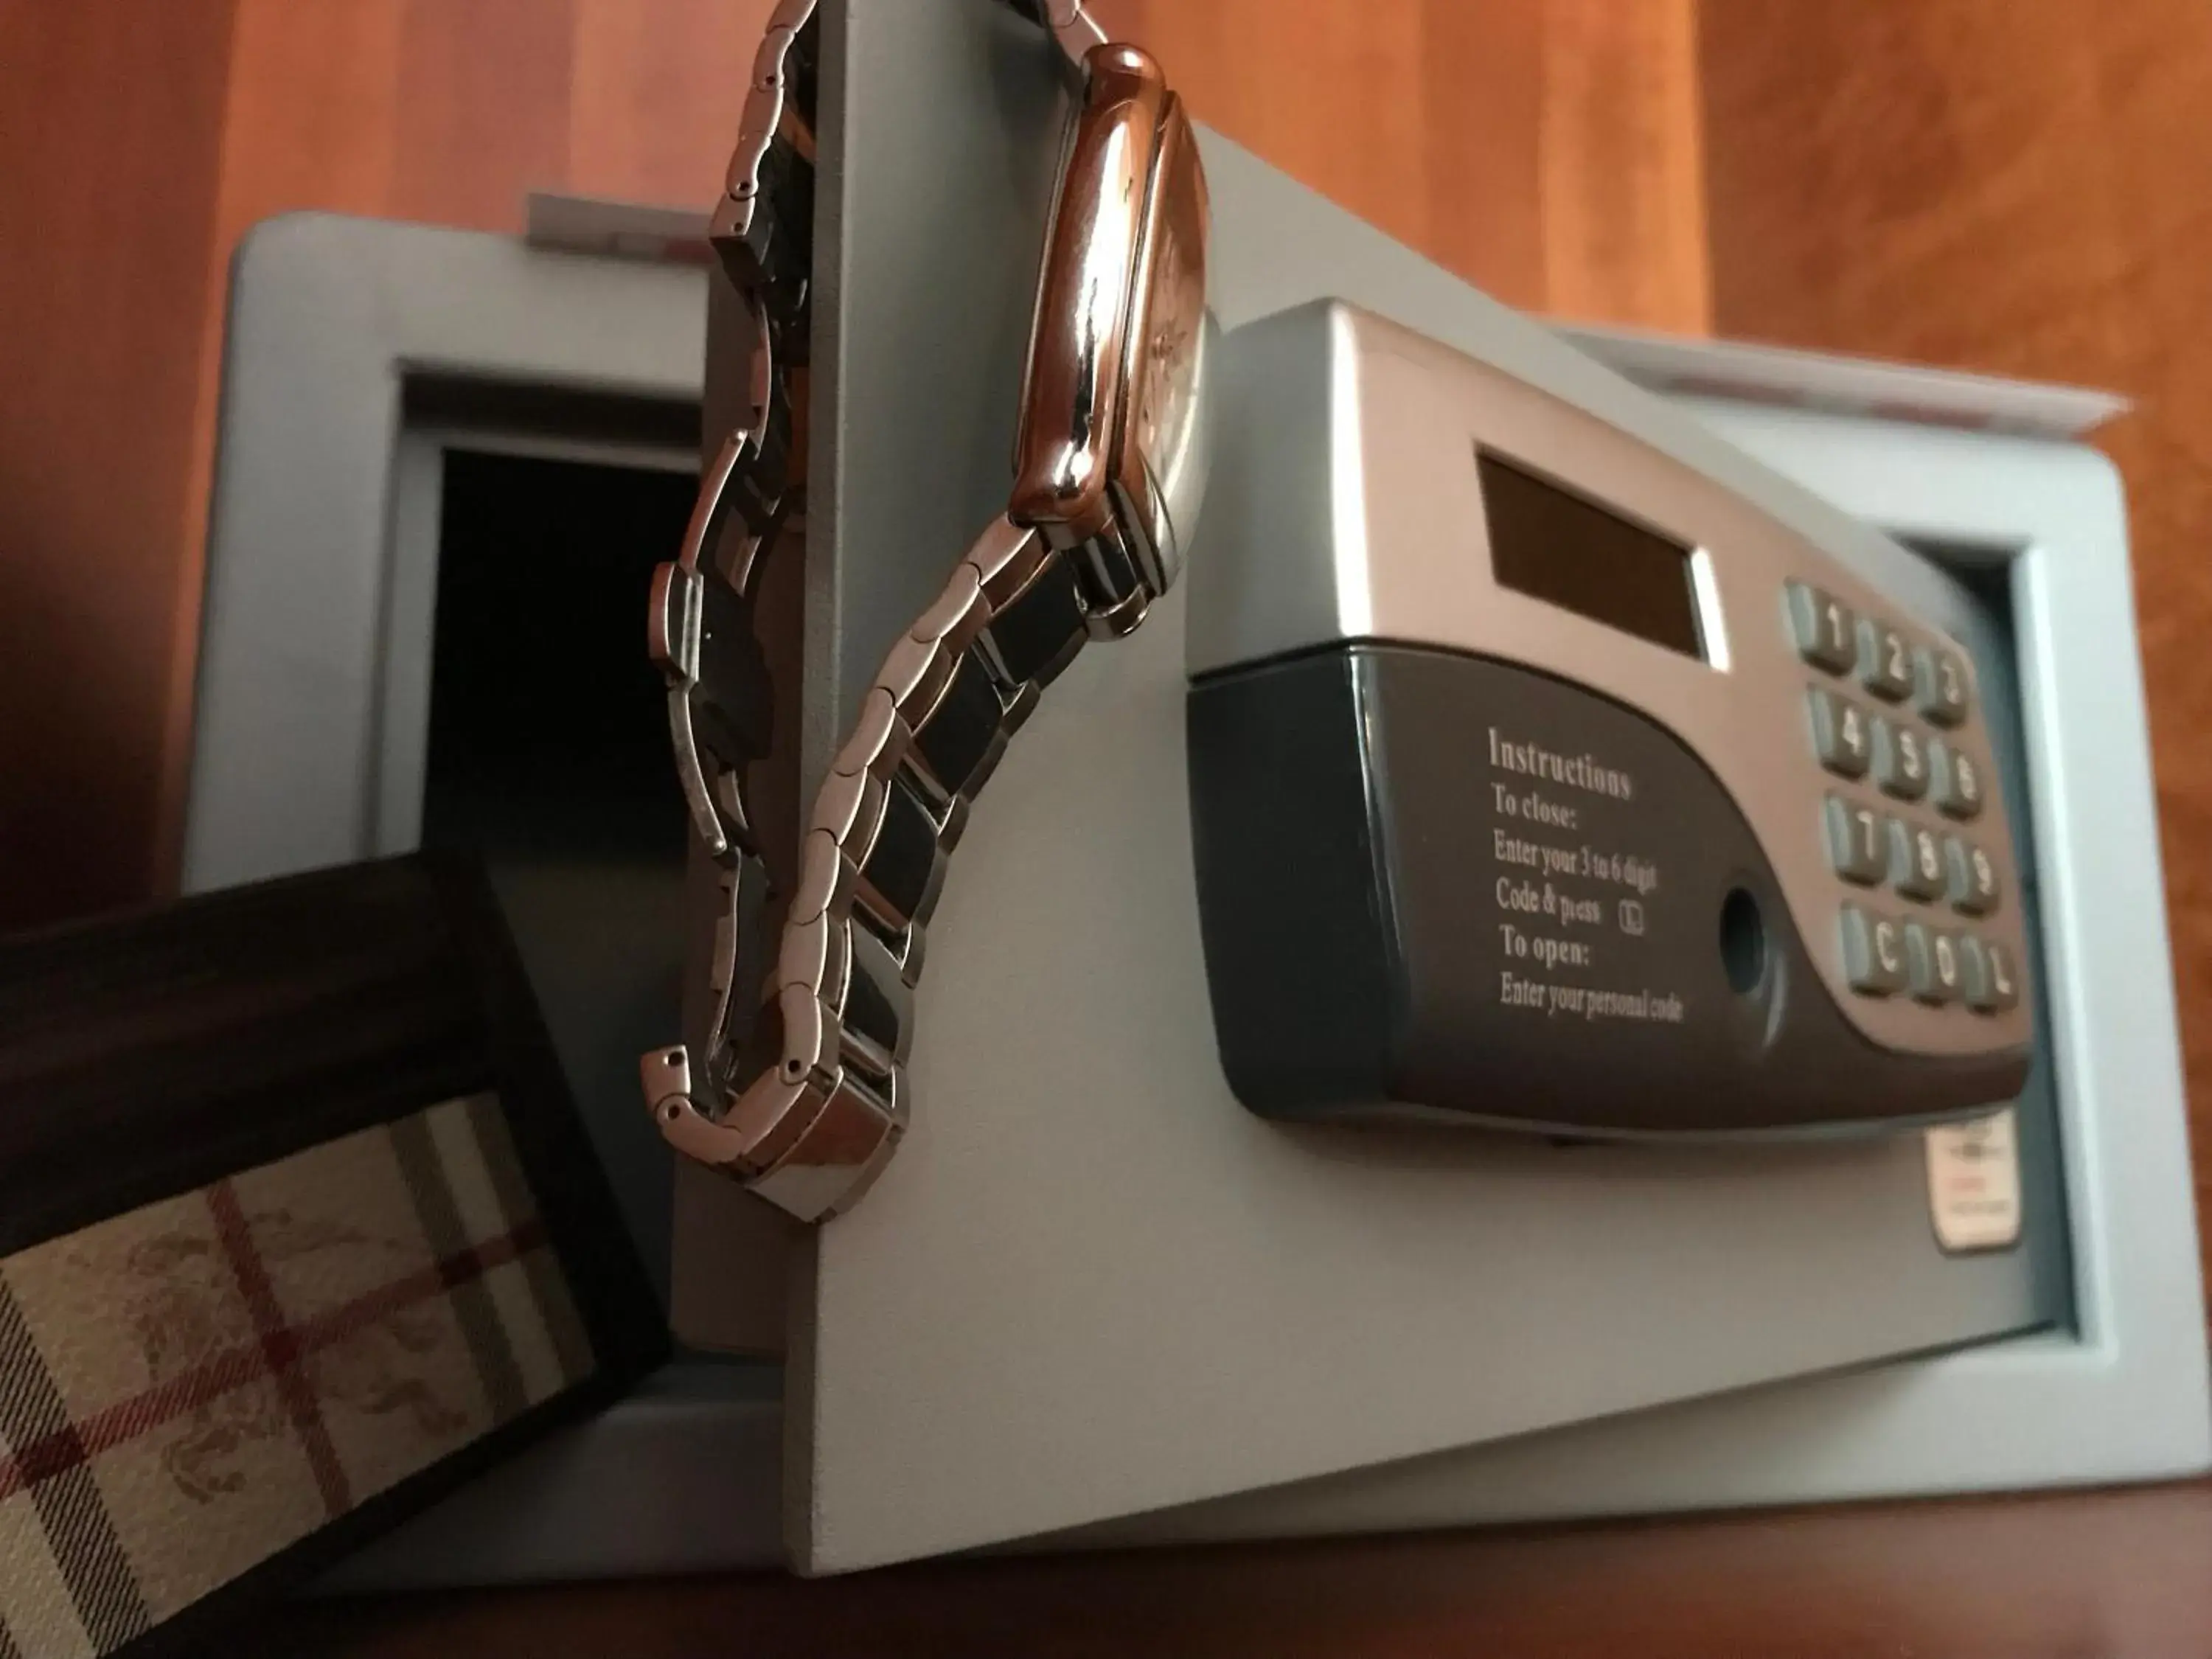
(1743, 941)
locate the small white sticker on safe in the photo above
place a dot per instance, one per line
(1974, 1183)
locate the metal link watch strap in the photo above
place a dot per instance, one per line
(811, 1088)
(811, 1129)
(751, 496)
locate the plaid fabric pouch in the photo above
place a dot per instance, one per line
(298, 1230)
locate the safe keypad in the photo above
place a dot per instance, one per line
(1862, 715)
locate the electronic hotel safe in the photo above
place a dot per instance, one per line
(1541, 782)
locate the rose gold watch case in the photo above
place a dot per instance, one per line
(1111, 417)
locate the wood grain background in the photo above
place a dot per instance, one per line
(2021, 185)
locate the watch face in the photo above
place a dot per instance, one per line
(1076, 399)
(1160, 460)
(1112, 429)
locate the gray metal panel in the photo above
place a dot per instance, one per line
(1895, 393)
(1090, 1284)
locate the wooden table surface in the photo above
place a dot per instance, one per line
(2114, 1575)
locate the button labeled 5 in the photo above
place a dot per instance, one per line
(1901, 760)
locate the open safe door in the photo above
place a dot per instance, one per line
(1092, 1284)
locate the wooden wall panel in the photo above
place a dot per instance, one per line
(649, 108)
(488, 81)
(1623, 173)
(110, 120)
(1545, 149)
(2023, 186)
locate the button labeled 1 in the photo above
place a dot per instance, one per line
(1825, 630)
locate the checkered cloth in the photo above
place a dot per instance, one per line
(188, 1388)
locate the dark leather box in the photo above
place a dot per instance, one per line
(299, 1230)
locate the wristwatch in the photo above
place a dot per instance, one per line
(794, 1083)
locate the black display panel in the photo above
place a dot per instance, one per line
(1553, 545)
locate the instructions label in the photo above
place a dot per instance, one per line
(1571, 900)
(1974, 1183)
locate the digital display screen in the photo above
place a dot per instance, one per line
(1553, 545)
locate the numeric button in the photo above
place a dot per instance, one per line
(1955, 781)
(1915, 861)
(1940, 678)
(1885, 661)
(1856, 845)
(1901, 759)
(1824, 628)
(1873, 952)
(1991, 986)
(1840, 733)
(1933, 965)
(1969, 876)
